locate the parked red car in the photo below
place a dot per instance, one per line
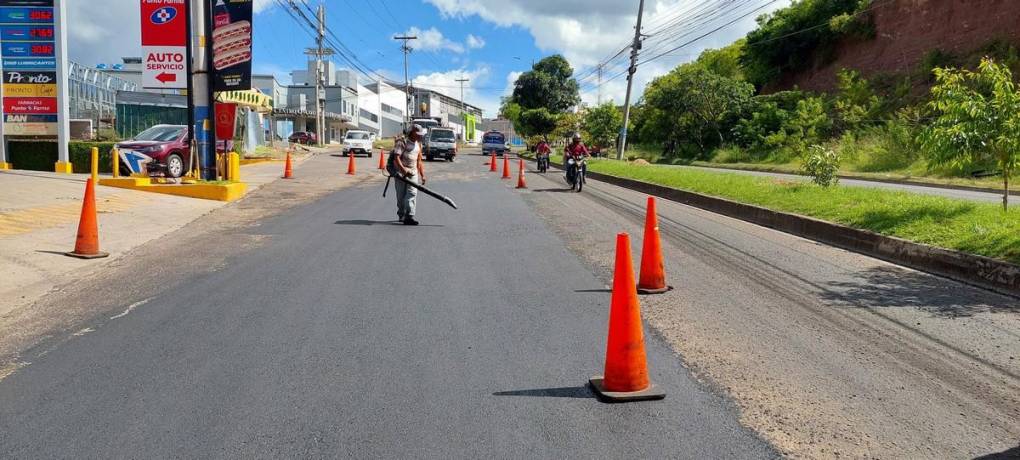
(303, 137)
(166, 146)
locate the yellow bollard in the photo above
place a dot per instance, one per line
(115, 156)
(95, 165)
(235, 167)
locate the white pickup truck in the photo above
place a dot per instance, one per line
(358, 143)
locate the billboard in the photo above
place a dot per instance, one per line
(28, 47)
(164, 44)
(232, 44)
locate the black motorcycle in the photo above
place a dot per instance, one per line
(576, 170)
(543, 162)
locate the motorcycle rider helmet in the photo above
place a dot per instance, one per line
(577, 137)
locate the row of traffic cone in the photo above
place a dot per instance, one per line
(352, 168)
(626, 367)
(521, 183)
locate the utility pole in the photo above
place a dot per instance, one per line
(200, 91)
(407, 82)
(600, 83)
(320, 92)
(634, 49)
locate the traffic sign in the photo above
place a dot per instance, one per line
(164, 44)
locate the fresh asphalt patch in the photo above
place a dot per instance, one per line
(345, 335)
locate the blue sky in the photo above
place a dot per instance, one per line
(488, 41)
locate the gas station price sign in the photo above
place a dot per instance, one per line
(28, 48)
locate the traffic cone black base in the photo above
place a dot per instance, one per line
(654, 291)
(652, 393)
(98, 255)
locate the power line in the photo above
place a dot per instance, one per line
(727, 24)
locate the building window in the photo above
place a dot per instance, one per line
(369, 115)
(392, 110)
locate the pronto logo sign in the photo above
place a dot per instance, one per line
(163, 15)
(164, 41)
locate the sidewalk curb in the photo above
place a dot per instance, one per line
(965, 188)
(985, 272)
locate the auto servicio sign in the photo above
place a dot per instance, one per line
(164, 44)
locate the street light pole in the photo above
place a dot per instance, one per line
(407, 82)
(634, 48)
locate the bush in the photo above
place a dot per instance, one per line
(880, 148)
(42, 156)
(822, 165)
(732, 154)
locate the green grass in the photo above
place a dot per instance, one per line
(265, 151)
(909, 174)
(976, 228)
(386, 144)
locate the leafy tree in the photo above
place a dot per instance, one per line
(698, 104)
(566, 125)
(977, 119)
(602, 124)
(549, 84)
(511, 111)
(809, 124)
(724, 62)
(536, 122)
(758, 131)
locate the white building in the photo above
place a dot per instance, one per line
(381, 109)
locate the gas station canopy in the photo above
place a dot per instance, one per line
(252, 99)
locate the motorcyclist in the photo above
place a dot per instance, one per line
(575, 151)
(542, 152)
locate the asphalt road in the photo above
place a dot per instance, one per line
(986, 197)
(827, 352)
(344, 335)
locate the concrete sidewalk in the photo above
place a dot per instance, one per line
(39, 214)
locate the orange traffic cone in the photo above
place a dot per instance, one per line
(506, 166)
(626, 375)
(520, 176)
(492, 164)
(382, 159)
(86, 246)
(351, 166)
(653, 273)
(288, 171)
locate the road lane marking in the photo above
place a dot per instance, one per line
(131, 307)
(9, 369)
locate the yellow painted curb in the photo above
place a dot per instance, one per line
(63, 167)
(217, 192)
(255, 161)
(6, 166)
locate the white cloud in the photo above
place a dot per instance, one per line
(474, 42)
(98, 36)
(477, 91)
(432, 40)
(261, 5)
(588, 31)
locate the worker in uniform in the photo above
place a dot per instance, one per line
(406, 160)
